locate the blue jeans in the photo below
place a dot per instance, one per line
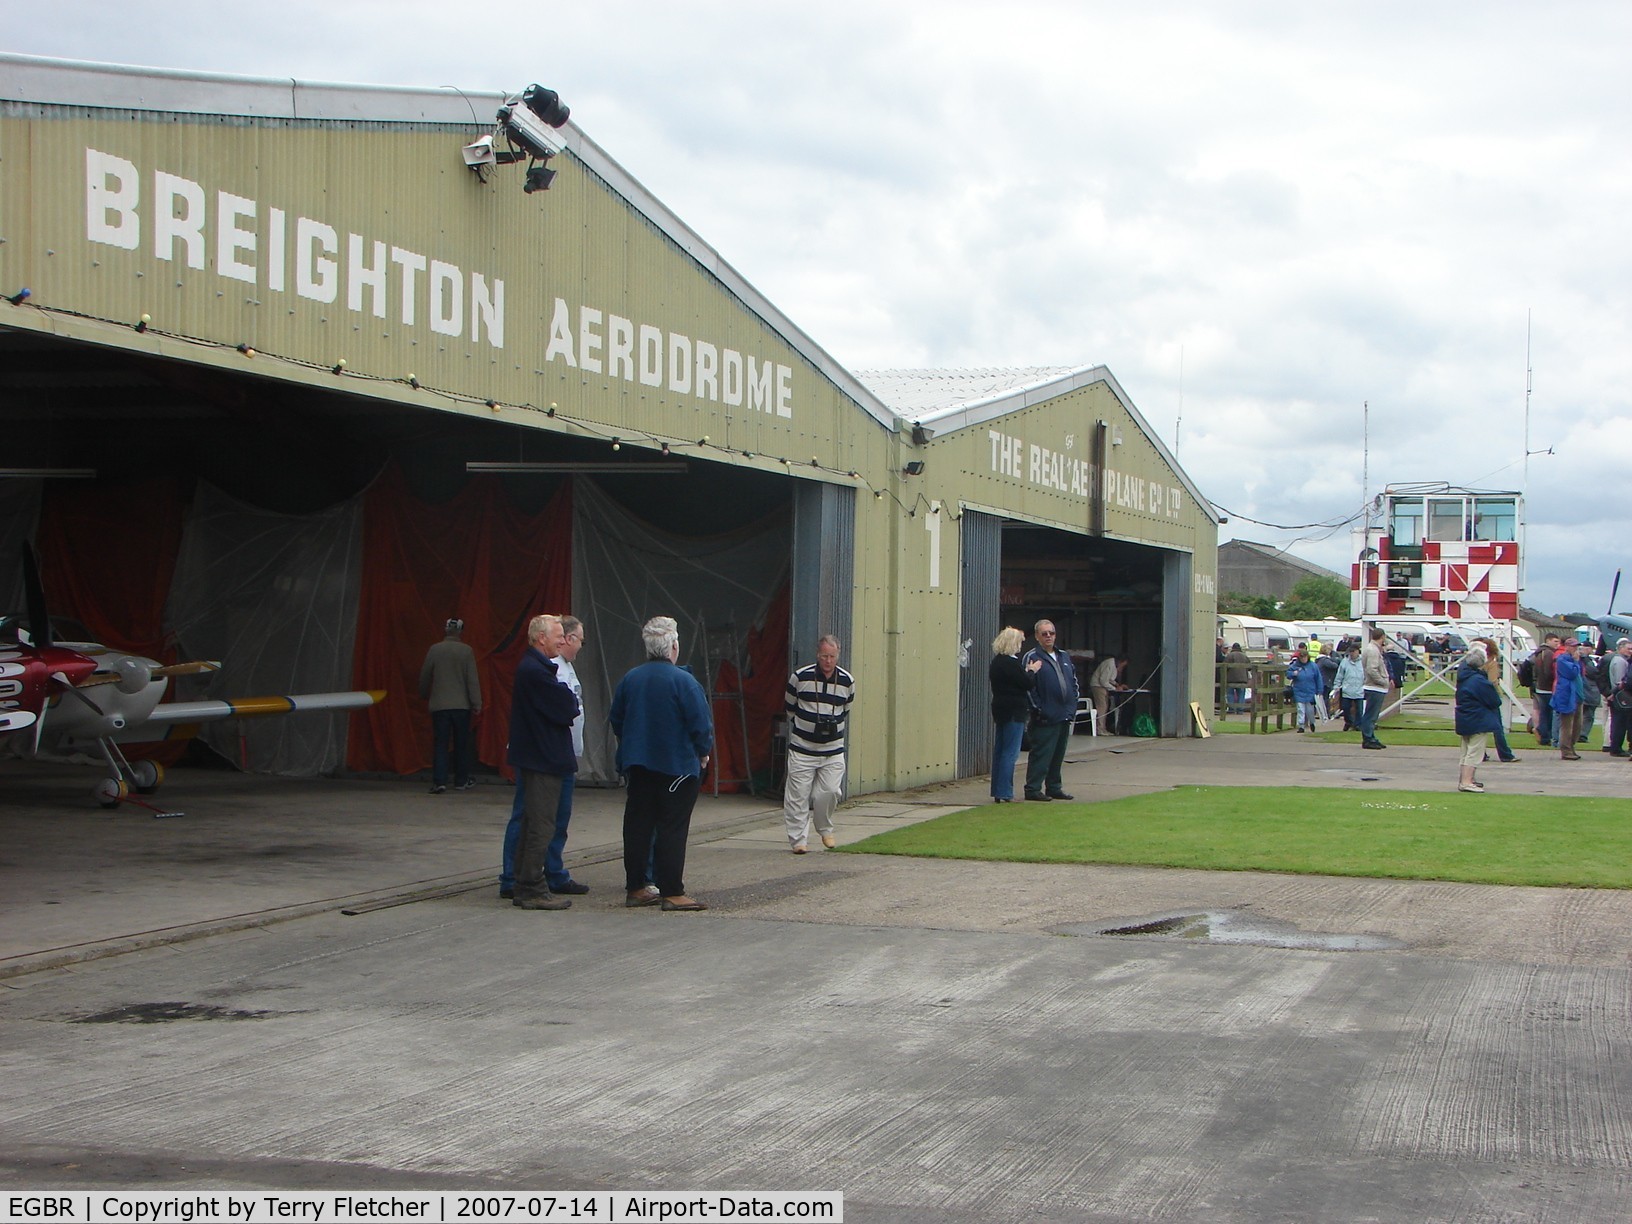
(1005, 754)
(451, 727)
(555, 871)
(1369, 713)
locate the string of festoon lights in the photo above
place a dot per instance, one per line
(341, 369)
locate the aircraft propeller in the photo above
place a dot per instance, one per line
(132, 675)
(39, 619)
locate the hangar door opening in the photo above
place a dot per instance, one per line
(316, 541)
(1106, 597)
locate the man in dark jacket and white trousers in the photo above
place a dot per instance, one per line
(1054, 713)
(542, 710)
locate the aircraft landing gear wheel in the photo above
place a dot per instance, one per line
(111, 792)
(148, 775)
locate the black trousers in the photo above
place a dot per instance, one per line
(1620, 722)
(657, 804)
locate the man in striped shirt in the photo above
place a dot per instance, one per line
(818, 708)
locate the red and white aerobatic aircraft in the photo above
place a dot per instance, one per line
(73, 696)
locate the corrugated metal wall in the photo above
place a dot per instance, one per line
(981, 567)
(824, 569)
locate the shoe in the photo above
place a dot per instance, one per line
(544, 901)
(829, 841)
(1507, 760)
(1582, 739)
(506, 894)
(437, 790)
(1615, 752)
(1371, 743)
(800, 849)
(1060, 795)
(464, 786)
(1472, 788)
(1571, 756)
(682, 904)
(571, 888)
(1036, 798)
(643, 896)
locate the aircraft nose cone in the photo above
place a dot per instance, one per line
(134, 675)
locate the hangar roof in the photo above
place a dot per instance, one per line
(945, 400)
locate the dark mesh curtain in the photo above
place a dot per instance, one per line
(274, 597)
(727, 592)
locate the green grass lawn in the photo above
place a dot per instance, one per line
(1481, 839)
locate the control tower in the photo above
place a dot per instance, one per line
(1434, 550)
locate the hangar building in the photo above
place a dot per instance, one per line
(292, 383)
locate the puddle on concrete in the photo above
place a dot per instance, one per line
(164, 1013)
(1233, 927)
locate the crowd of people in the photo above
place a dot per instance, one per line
(665, 735)
(1567, 682)
(664, 727)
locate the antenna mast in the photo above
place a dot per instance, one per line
(1180, 420)
(1365, 458)
(1528, 380)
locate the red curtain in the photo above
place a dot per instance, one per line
(107, 556)
(474, 556)
(763, 690)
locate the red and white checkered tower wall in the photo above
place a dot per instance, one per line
(1439, 579)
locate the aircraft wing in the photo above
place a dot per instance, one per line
(179, 719)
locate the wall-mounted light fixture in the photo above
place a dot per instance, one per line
(915, 468)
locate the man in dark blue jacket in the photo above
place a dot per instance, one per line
(665, 734)
(1054, 713)
(542, 710)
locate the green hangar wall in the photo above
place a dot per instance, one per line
(331, 239)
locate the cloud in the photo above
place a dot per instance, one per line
(1306, 209)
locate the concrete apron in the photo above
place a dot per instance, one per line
(78, 882)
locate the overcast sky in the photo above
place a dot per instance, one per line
(1260, 216)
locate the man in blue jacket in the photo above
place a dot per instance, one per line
(542, 711)
(665, 734)
(1053, 714)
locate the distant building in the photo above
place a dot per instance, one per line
(1264, 571)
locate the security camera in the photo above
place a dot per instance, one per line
(530, 119)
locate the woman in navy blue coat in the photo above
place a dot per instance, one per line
(1478, 714)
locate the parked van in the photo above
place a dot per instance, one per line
(1330, 631)
(1257, 636)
